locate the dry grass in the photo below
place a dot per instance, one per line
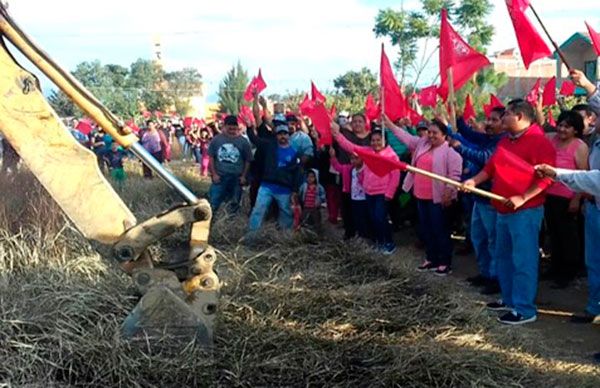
(297, 310)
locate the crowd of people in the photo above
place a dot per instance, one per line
(554, 211)
(291, 176)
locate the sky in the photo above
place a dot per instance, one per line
(293, 42)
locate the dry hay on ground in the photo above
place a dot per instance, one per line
(296, 310)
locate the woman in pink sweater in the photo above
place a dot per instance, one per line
(432, 153)
(379, 190)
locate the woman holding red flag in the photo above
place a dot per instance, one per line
(379, 190)
(432, 153)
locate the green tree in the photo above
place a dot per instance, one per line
(408, 29)
(231, 89)
(62, 105)
(352, 87)
(147, 79)
(183, 84)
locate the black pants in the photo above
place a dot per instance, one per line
(563, 230)
(346, 210)
(147, 171)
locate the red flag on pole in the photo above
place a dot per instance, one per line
(332, 111)
(531, 44)
(315, 94)
(379, 164)
(456, 54)
(428, 96)
(567, 88)
(414, 116)
(257, 85)
(595, 38)
(551, 120)
(549, 95)
(246, 115)
(306, 105)
(322, 122)
(469, 111)
(494, 103)
(393, 100)
(534, 93)
(372, 110)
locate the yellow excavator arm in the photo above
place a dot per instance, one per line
(180, 298)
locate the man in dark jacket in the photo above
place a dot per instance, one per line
(281, 178)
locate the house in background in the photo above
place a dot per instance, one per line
(579, 53)
(520, 79)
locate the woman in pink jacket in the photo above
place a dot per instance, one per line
(432, 153)
(379, 190)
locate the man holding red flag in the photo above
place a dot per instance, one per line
(520, 217)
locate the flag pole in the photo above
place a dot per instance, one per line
(454, 183)
(558, 50)
(451, 98)
(382, 100)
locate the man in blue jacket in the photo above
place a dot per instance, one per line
(476, 148)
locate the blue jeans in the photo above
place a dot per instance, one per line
(433, 229)
(378, 217)
(263, 202)
(517, 254)
(483, 237)
(184, 146)
(592, 256)
(197, 154)
(228, 189)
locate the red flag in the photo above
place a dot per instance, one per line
(469, 111)
(246, 115)
(146, 114)
(134, 128)
(513, 170)
(306, 106)
(379, 164)
(158, 114)
(534, 93)
(549, 96)
(322, 122)
(257, 84)
(315, 94)
(595, 38)
(372, 110)
(457, 55)
(84, 126)
(414, 116)
(494, 103)
(531, 44)
(567, 88)
(551, 120)
(428, 96)
(332, 110)
(187, 122)
(393, 100)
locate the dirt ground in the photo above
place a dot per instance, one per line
(555, 306)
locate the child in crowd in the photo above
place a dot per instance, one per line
(114, 161)
(312, 195)
(378, 190)
(205, 138)
(352, 184)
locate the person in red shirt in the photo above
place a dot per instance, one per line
(520, 216)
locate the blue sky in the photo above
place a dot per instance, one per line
(292, 41)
